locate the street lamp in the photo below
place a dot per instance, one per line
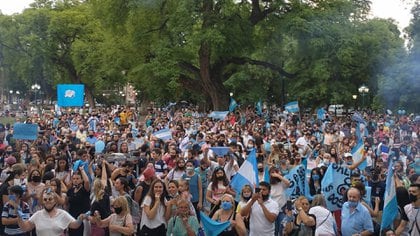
(354, 96)
(363, 90)
(36, 88)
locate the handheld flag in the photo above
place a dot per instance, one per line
(211, 227)
(164, 134)
(220, 151)
(233, 104)
(70, 95)
(259, 108)
(390, 204)
(292, 107)
(320, 113)
(357, 153)
(218, 115)
(247, 173)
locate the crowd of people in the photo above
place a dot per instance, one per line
(108, 172)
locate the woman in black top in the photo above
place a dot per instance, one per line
(227, 212)
(101, 205)
(78, 195)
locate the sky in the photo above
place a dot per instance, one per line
(380, 8)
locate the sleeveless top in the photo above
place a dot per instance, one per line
(230, 231)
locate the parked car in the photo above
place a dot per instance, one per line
(336, 109)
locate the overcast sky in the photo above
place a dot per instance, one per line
(381, 8)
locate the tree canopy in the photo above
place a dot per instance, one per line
(316, 51)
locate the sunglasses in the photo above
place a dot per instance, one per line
(50, 199)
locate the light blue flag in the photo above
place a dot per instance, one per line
(335, 183)
(218, 115)
(220, 151)
(70, 95)
(320, 113)
(212, 227)
(232, 105)
(307, 175)
(297, 177)
(259, 107)
(357, 153)
(247, 174)
(23, 131)
(292, 107)
(164, 134)
(390, 204)
(358, 118)
(267, 174)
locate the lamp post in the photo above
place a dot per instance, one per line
(363, 90)
(354, 96)
(36, 87)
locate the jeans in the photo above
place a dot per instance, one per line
(279, 224)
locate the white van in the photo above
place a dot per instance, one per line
(336, 109)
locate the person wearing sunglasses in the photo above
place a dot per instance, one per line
(50, 220)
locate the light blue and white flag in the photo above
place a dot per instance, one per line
(297, 178)
(212, 227)
(320, 113)
(292, 107)
(335, 183)
(233, 104)
(220, 151)
(390, 204)
(361, 130)
(164, 134)
(70, 95)
(247, 173)
(357, 153)
(218, 115)
(358, 118)
(22, 131)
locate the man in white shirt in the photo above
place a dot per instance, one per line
(411, 213)
(263, 211)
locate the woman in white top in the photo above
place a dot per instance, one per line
(153, 215)
(50, 220)
(120, 222)
(325, 222)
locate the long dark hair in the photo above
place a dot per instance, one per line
(214, 180)
(151, 192)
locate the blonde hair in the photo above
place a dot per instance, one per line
(122, 201)
(98, 190)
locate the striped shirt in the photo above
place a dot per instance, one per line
(9, 212)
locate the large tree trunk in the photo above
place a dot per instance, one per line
(213, 85)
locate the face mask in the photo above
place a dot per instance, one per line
(413, 198)
(349, 163)
(260, 169)
(226, 205)
(353, 204)
(246, 196)
(315, 177)
(190, 169)
(326, 162)
(36, 179)
(118, 210)
(250, 146)
(90, 136)
(284, 172)
(220, 178)
(265, 197)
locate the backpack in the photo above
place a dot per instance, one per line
(134, 209)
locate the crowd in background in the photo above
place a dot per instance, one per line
(138, 183)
